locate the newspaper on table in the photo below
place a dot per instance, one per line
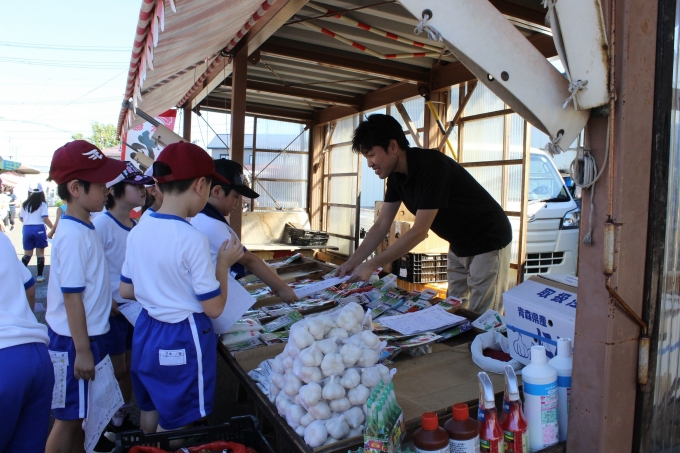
(103, 400)
(239, 301)
(428, 320)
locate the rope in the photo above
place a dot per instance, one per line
(432, 33)
(574, 88)
(552, 146)
(549, 5)
(585, 177)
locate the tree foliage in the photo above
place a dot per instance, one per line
(103, 136)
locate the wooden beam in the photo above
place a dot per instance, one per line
(521, 12)
(186, 124)
(347, 61)
(412, 129)
(443, 77)
(333, 113)
(238, 121)
(304, 93)
(277, 15)
(260, 110)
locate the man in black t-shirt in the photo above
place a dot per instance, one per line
(444, 198)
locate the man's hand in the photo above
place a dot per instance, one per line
(362, 272)
(83, 367)
(287, 294)
(345, 269)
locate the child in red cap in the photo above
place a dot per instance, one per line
(78, 300)
(179, 288)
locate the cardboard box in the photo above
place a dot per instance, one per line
(538, 312)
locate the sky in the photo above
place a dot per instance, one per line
(63, 65)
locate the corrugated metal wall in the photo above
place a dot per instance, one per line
(665, 435)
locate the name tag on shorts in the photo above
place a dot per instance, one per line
(172, 357)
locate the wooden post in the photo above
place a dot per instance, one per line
(186, 124)
(524, 201)
(238, 120)
(316, 174)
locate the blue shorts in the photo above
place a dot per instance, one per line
(26, 395)
(119, 337)
(34, 237)
(75, 407)
(174, 368)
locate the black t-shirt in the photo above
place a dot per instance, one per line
(469, 218)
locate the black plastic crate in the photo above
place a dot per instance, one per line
(414, 269)
(299, 236)
(243, 430)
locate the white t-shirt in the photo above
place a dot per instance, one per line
(78, 266)
(168, 262)
(17, 323)
(146, 214)
(217, 232)
(114, 239)
(36, 217)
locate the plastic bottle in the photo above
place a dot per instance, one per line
(490, 432)
(513, 422)
(430, 438)
(463, 431)
(540, 400)
(562, 363)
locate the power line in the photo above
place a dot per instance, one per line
(57, 47)
(65, 64)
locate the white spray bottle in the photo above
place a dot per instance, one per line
(539, 381)
(562, 363)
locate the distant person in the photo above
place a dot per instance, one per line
(12, 207)
(4, 209)
(27, 378)
(34, 216)
(79, 300)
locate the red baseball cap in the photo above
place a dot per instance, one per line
(80, 159)
(187, 161)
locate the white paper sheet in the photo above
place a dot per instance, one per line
(239, 301)
(103, 400)
(131, 311)
(315, 287)
(60, 364)
(39, 307)
(430, 319)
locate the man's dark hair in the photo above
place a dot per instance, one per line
(64, 194)
(378, 130)
(178, 187)
(118, 191)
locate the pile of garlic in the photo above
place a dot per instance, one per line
(324, 376)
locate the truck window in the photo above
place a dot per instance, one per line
(545, 183)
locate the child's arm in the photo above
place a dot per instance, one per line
(48, 222)
(262, 271)
(83, 367)
(230, 252)
(127, 291)
(56, 222)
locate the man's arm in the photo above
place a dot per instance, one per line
(372, 240)
(83, 367)
(264, 273)
(413, 237)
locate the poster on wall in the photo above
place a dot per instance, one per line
(141, 143)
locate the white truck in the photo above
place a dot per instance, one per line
(554, 218)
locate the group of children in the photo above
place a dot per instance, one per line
(178, 271)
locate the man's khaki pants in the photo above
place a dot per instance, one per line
(481, 279)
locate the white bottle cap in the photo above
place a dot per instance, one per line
(564, 347)
(538, 356)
